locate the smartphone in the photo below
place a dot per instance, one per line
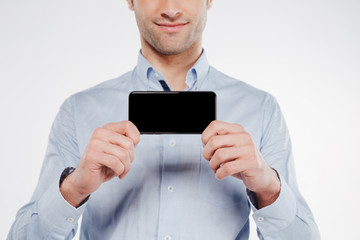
(172, 112)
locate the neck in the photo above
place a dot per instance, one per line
(173, 67)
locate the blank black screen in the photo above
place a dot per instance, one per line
(172, 112)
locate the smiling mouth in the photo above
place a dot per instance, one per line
(171, 27)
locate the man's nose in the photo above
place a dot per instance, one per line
(171, 9)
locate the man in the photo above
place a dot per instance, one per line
(128, 186)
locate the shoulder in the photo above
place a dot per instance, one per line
(237, 89)
(114, 87)
(118, 83)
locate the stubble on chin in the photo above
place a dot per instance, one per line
(167, 43)
(171, 43)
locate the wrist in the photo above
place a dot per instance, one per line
(69, 191)
(271, 193)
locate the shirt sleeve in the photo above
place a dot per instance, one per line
(48, 215)
(289, 217)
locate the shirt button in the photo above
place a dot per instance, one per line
(172, 143)
(260, 219)
(167, 237)
(70, 220)
(170, 188)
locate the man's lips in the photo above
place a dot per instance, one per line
(171, 27)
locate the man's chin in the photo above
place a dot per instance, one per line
(170, 53)
(170, 50)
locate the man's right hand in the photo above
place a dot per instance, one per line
(108, 154)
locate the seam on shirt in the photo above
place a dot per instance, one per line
(267, 125)
(74, 120)
(62, 155)
(63, 128)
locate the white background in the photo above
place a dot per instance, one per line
(306, 53)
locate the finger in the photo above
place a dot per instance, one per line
(230, 168)
(217, 127)
(106, 135)
(127, 162)
(221, 141)
(224, 155)
(123, 142)
(216, 142)
(111, 162)
(120, 153)
(126, 128)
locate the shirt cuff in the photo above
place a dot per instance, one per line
(56, 214)
(277, 216)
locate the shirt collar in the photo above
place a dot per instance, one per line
(150, 77)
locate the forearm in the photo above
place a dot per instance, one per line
(299, 229)
(287, 218)
(29, 226)
(50, 217)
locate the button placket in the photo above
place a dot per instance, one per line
(171, 147)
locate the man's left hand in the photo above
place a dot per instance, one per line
(232, 151)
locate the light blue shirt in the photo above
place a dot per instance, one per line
(170, 192)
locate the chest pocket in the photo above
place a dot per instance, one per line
(226, 193)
